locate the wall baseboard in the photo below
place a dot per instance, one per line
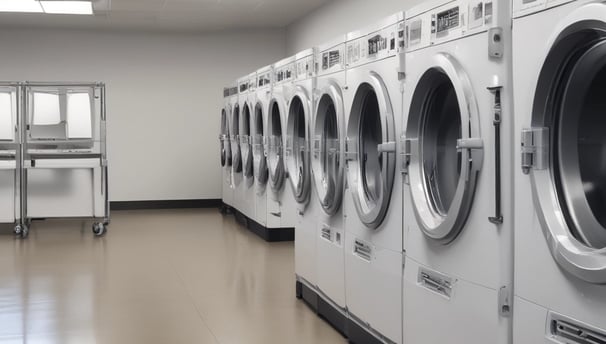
(166, 204)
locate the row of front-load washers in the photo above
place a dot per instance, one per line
(445, 174)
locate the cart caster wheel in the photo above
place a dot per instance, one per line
(21, 231)
(99, 229)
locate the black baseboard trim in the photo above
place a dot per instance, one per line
(323, 309)
(335, 318)
(358, 335)
(225, 209)
(241, 219)
(307, 295)
(166, 204)
(271, 234)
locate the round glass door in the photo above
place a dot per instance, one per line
(297, 150)
(443, 167)
(260, 160)
(568, 110)
(245, 142)
(275, 150)
(235, 144)
(225, 141)
(327, 159)
(372, 151)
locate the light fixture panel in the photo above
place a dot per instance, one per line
(67, 7)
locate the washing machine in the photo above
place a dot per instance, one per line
(373, 192)
(298, 165)
(281, 204)
(261, 170)
(236, 156)
(457, 148)
(328, 168)
(225, 150)
(246, 89)
(560, 186)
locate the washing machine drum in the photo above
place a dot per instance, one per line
(327, 159)
(297, 150)
(371, 152)
(275, 158)
(245, 143)
(567, 137)
(445, 151)
(259, 156)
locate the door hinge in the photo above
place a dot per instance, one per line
(470, 143)
(535, 149)
(351, 149)
(405, 152)
(387, 147)
(504, 302)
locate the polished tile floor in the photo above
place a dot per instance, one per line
(164, 276)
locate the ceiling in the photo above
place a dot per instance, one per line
(175, 15)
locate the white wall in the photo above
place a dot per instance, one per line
(339, 17)
(164, 95)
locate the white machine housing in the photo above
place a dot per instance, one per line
(560, 231)
(264, 84)
(281, 204)
(458, 225)
(225, 147)
(328, 165)
(246, 97)
(298, 163)
(373, 193)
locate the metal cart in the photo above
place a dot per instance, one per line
(64, 169)
(10, 153)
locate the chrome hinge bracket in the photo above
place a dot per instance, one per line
(387, 147)
(535, 149)
(351, 149)
(405, 152)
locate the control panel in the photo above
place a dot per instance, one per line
(331, 59)
(376, 45)
(451, 21)
(284, 73)
(304, 67)
(264, 79)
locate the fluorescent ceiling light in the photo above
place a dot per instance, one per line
(28, 6)
(67, 7)
(47, 6)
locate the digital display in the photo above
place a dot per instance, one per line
(447, 20)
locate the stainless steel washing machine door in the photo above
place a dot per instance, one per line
(565, 150)
(235, 141)
(246, 142)
(328, 147)
(371, 151)
(260, 159)
(445, 149)
(225, 140)
(275, 149)
(297, 146)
